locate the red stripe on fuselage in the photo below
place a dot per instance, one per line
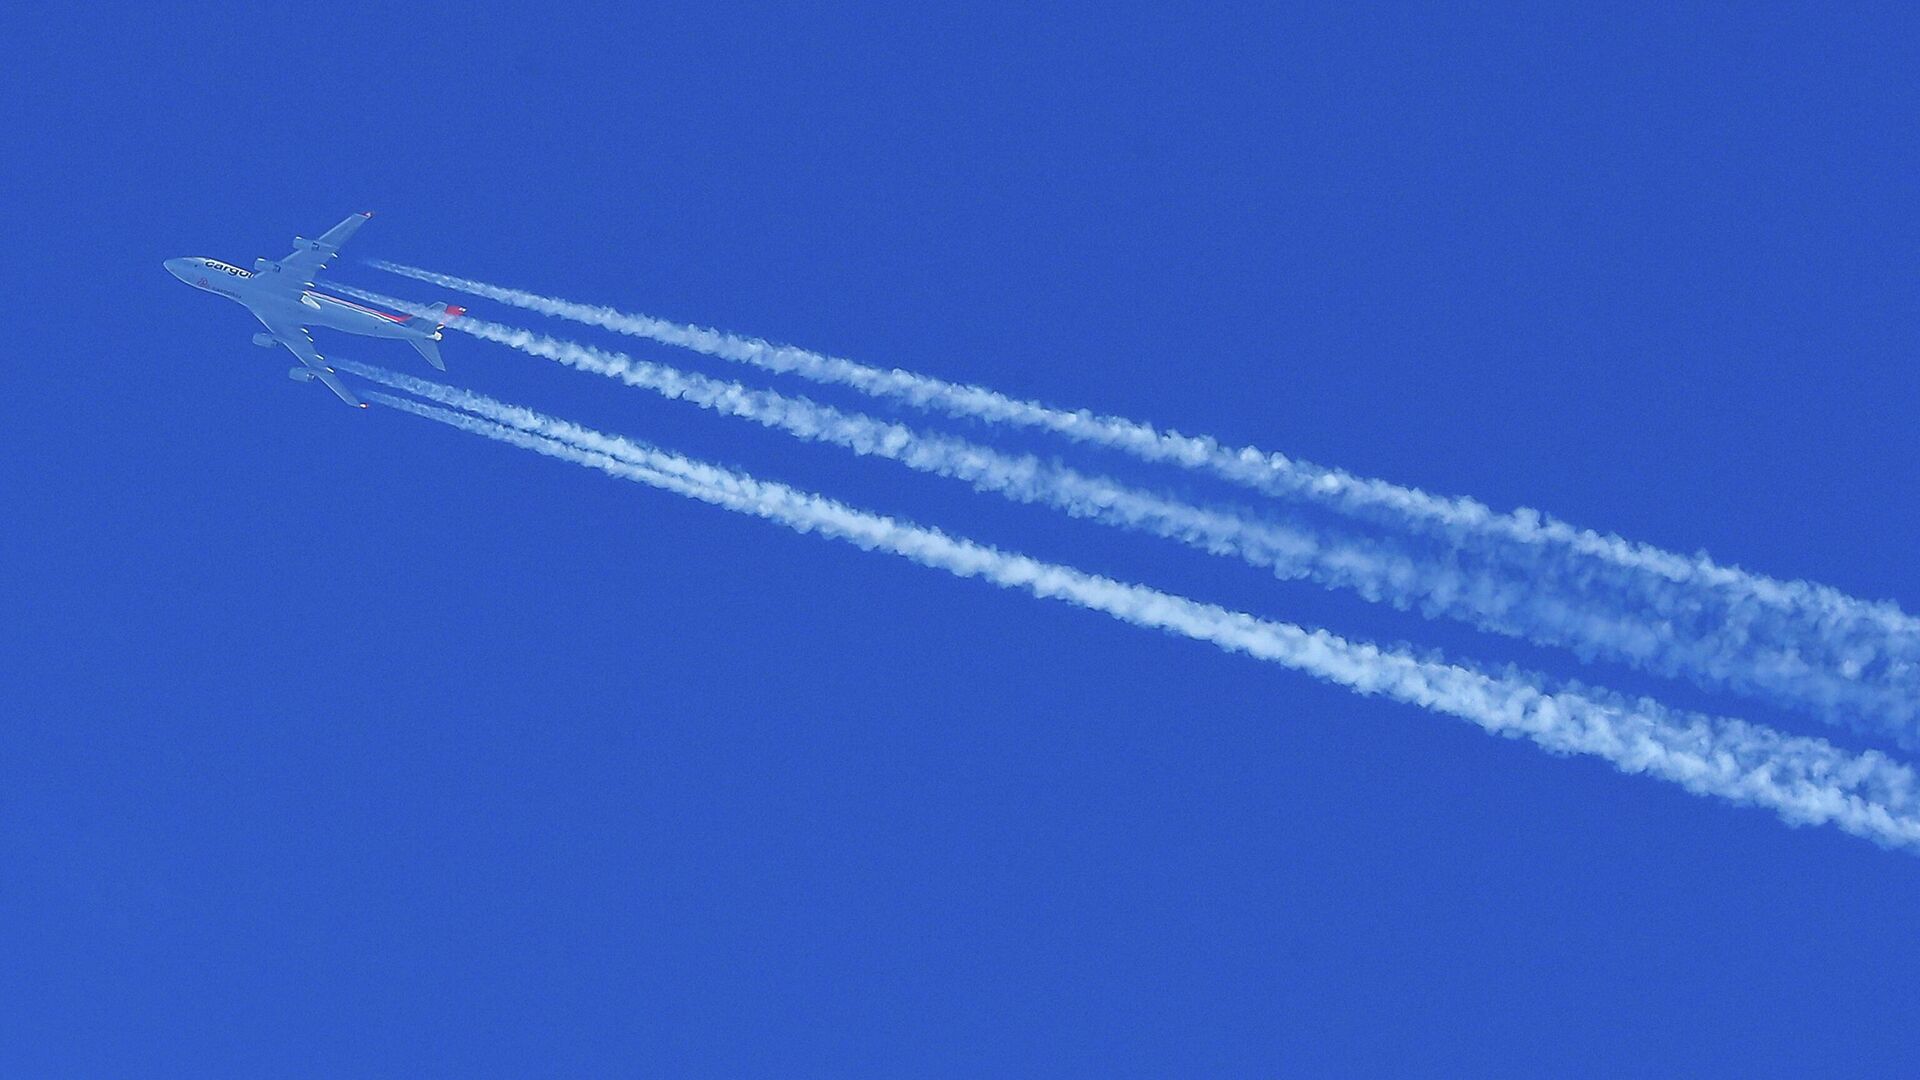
(359, 307)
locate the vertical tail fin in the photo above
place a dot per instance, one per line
(446, 314)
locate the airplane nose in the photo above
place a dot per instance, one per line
(177, 267)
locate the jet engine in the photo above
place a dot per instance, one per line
(301, 374)
(266, 266)
(303, 242)
(266, 341)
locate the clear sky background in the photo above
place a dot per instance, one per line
(337, 742)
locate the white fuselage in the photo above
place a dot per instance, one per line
(304, 307)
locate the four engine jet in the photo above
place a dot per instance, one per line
(281, 295)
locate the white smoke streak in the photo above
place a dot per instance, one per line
(1804, 781)
(1264, 470)
(1813, 630)
(1500, 603)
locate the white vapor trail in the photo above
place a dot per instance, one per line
(1804, 781)
(1811, 627)
(1377, 571)
(1265, 470)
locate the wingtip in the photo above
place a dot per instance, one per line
(362, 404)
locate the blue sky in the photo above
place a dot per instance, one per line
(340, 743)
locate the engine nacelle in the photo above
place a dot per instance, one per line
(303, 242)
(266, 341)
(301, 374)
(265, 266)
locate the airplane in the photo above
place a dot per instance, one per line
(281, 295)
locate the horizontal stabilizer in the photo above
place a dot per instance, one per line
(429, 348)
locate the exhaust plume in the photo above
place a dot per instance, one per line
(1813, 627)
(1489, 598)
(1802, 780)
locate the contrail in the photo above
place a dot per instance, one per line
(1804, 781)
(1497, 603)
(1822, 626)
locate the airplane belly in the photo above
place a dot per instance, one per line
(350, 320)
(277, 310)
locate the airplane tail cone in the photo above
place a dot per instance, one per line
(429, 345)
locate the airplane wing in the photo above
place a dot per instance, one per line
(309, 257)
(300, 344)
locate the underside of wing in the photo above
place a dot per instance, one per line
(314, 367)
(309, 257)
